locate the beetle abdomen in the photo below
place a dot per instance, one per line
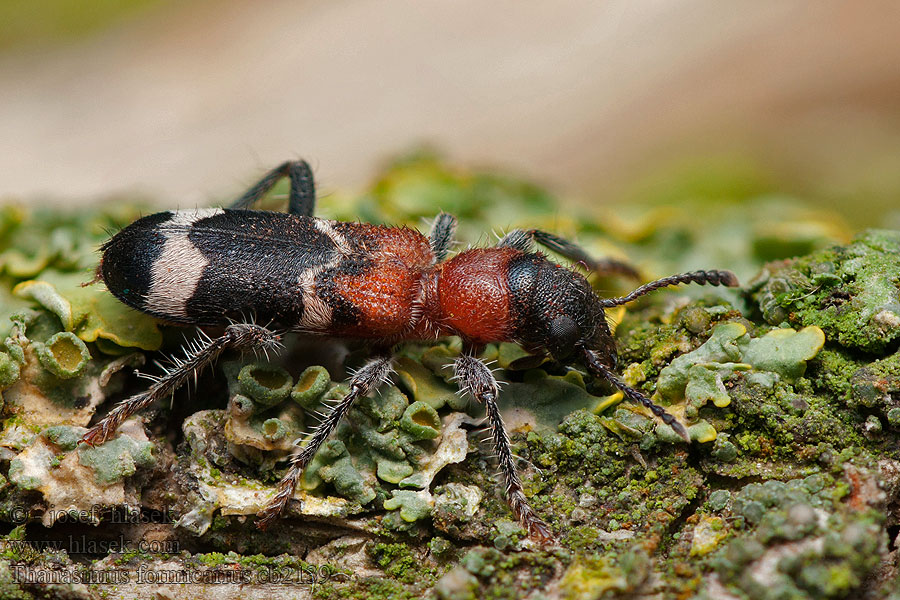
(210, 265)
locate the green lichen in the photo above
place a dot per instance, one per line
(91, 312)
(851, 292)
(64, 355)
(274, 429)
(118, 458)
(802, 543)
(595, 576)
(336, 467)
(261, 424)
(311, 384)
(413, 505)
(785, 499)
(421, 421)
(423, 386)
(67, 438)
(265, 383)
(542, 401)
(9, 370)
(699, 377)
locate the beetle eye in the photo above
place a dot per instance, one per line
(563, 336)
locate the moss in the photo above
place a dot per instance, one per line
(850, 291)
(366, 589)
(399, 562)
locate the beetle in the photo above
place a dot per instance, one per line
(239, 267)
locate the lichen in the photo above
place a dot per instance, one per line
(795, 539)
(91, 312)
(699, 377)
(789, 387)
(84, 478)
(851, 292)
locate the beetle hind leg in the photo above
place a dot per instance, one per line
(240, 336)
(302, 198)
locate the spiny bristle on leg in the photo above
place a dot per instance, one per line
(372, 375)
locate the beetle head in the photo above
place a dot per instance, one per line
(557, 311)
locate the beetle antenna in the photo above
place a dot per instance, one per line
(726, 278)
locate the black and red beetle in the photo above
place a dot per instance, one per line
(238, 267)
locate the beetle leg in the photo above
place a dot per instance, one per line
(598, 368)
(476, 378)
(368, 378)
(522, 239)
(242, 336)
(441, 235)
(302, 199)
(726, 278)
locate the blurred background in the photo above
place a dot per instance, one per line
(602, 101)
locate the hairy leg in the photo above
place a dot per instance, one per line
(368, 378)
(441, 235)
(476, 378)
(199, 355)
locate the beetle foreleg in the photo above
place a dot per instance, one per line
(476, 378)
(239, 336)
(368, 378)
(598, 368)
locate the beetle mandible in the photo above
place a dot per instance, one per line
(238, 267)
